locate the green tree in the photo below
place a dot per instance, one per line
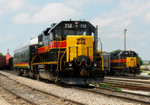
(116, 50)
(1, 54)
(141, 61)
(149, 62)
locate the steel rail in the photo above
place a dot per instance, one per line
(98, 92)
(128, 80)
(129, 77)
(18, 96)
(132, 86)
(113, 95)
(34, 89)
(130, 93)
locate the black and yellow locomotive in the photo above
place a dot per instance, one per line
(65, 52)
(124, 62)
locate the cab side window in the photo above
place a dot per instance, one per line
(51, 36)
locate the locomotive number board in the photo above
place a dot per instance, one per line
(75, 25)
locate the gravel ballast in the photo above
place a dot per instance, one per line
(3, 101)
(70, 93)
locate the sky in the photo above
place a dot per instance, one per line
(21, 20)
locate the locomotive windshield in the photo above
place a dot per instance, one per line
(132, 54)
(76, 32)
(77, 28)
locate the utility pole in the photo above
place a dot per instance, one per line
(125, 39)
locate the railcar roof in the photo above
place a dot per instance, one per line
(32, 41)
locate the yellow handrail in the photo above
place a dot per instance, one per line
(62, 58)
(58, 52)
(100, 53)
(33, 58)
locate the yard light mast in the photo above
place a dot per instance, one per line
(125, 39)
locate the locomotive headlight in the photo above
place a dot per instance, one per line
(95, 65)
(70, 64)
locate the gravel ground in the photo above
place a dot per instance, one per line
(139, 92)
(144, 74)
(7, 98)
(73, 94)
(3, 101)
(28, 93)
(138, 97)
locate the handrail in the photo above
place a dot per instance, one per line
(58, 52)
(100, 53)
(62, 58)
(33, 58)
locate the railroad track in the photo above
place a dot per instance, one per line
(32, 95)
(134, 97)
(131, 84)
(17, 95)
(129, 77)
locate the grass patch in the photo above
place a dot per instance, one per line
(145, 71)
(148, 73)
(107, 86)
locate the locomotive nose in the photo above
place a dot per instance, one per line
(83, 73)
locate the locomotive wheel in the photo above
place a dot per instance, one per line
(106, 72)
(122, 73)
(20, 73)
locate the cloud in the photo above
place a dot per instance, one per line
(22, 18)
(6, 38)
(49, 13)
(1, 12)
(147, 18)
(77, 3)
(83, 3)
(131, 15)
(142, 44)
(106, 21)
(14, 4)
(134, 8)
(116, 35)
(2, 1)
(7, 6)
(126, 14)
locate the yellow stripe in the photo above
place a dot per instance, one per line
(69, 69)
(25, 65)
(44, 63)
(97, 69)
(117, 67)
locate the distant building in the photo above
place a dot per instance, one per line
(8, 56)
(4, 61)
